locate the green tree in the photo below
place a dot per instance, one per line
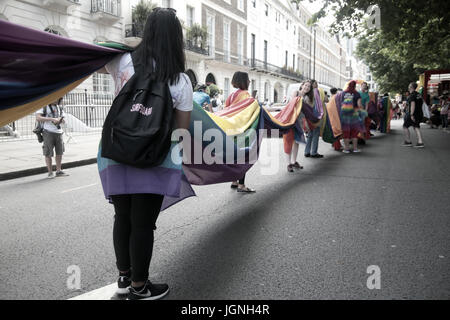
(139, 15)
(413, 36)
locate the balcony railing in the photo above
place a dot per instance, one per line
(270, 68)
(111, 7)
(191, 46)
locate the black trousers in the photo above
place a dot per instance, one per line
(134, 223)
(242, 180)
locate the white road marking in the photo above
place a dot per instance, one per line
(104, 293)
(79, 188)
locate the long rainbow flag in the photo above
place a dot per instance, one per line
(37, 68)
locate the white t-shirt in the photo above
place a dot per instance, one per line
(52, 112)
(121, 69)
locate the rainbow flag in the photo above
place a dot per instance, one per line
(37, 68)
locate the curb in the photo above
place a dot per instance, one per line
(35, 171)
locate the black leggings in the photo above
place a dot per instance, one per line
(134, 222)
(242, 180)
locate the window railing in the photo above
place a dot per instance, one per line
(192, 46)
(265, 66)
(111, 7)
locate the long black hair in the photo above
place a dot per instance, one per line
(161, 51)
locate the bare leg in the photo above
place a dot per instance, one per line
(419, 135)
(407, 135)
(288, 157)
(48, 162)
(294, 153)
(355, 143)
(346, 144)
(58, 162)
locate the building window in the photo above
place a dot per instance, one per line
(226, 88)
(190, 16)
(240, 45)
(253, 86)
(265, 52)
(226, 40)
(240, 5)
(253, 49)
(210, 25)
(266, 91)
(254, 3)
(102, 83)
(287, 24)
(266, 10)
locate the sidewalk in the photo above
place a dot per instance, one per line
(25, 158)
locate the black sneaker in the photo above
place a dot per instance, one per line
(307, 155)
(419, 145)
(123, 284)
(61, 174)
(407, 144)
(150, 291)
(319, 156)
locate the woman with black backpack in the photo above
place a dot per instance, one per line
(137, 193)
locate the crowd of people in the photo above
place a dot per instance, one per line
(138, 193)
(439, 112)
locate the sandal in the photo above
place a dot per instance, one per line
(297, 166)
(290, 168)
(246, 190)
(234, 186)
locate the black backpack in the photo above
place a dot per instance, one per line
(138, 128)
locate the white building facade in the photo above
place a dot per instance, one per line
(269, 39)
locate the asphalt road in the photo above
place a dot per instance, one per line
(307, 235)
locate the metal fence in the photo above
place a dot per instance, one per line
(270, 68)
(107, 6)
(85, 114)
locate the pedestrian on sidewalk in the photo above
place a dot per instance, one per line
(314, 100)
(306, 120)
(52, 116)
(413, 117)
(337, 144)
(350, 119)
(137, 194)
(241, 82)
(365, 100)
(444, 112)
